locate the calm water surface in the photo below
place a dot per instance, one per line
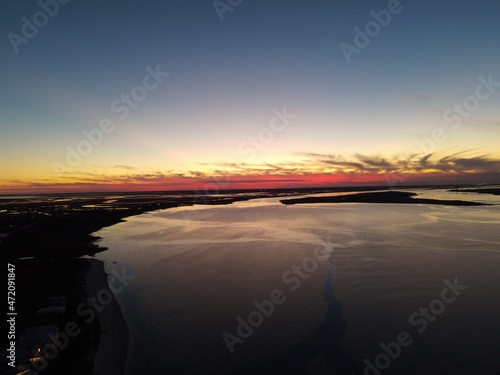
(201, 271)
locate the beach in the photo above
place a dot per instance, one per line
(113, 341)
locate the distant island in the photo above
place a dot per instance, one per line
(379, 197)
(494, 191)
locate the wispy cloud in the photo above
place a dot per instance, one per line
(313, 169)
(463, 162)
(128, 167)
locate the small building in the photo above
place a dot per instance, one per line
(38, 341)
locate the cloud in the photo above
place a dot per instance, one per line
(128, 167)
(484, 125)
(463, 162)
(423, 161)
(373, 161)
(314, 169)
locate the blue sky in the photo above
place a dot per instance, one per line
(226, 78)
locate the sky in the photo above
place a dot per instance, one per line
(212, 95)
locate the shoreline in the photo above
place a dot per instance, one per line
(111, 355)
(62, 233)
(493, 191)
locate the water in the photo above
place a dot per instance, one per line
(365, 269)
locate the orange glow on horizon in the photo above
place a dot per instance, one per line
(217, 184)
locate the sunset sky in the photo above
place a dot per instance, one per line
(418, 102)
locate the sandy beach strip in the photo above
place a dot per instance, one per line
(111, 355)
